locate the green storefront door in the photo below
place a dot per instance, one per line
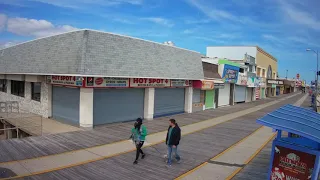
(209, 99)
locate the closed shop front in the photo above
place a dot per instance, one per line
(209, 102)
(117, 105)
(197, 100)
(224, 95)
(263, 93)
(168, 101)
(250, 91)
(240, 94)
(278, 91)
(65, 104)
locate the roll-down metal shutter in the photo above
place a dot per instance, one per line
(65, 104)
(117, 105)
(168, 101)
(196, 96)
(240, 94)
(224, 95)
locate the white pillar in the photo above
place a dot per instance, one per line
(148, 103)
(49, 96)
(86, 107)
(188, 99)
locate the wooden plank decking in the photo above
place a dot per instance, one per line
(258, 168)
(195, 149)
(31, 147)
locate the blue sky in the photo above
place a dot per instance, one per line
(284, 28)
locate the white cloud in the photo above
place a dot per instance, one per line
(3, 21)
(37, 28)
(160, 21)
(82, 4)
(299, 16)
(7, 44)
(197, 21)
(269, 37)
(211, 12)
(188, 31)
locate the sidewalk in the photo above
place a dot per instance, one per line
(70, 159)
(231, 161)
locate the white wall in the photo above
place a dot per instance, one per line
(26, 103)
(231, 52)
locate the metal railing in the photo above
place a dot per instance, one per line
(16, 122)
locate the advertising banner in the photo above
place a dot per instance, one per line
(107, 82)
(230, 73)
(292, 164)
(207, 85)
(180, 83)
(148, 82)
(65, 80)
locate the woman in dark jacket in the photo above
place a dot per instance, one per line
(172, 140)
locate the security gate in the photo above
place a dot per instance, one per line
(117, 105)
(168, 101)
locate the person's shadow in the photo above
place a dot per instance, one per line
(6, 173)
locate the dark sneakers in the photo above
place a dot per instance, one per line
(143, 155)
(135, 162)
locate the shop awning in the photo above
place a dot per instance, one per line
(293, 119)
(218, 81)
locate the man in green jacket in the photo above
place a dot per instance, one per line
(139, 133)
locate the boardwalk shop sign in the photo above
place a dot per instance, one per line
(230, 73)
(149, 82)
(292, 164)
(65, 80)
(275, 82)
(105, 82)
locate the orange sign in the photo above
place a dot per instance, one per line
(207, 85)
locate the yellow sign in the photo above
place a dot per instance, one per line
(207, 85)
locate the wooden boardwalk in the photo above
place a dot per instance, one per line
(195, 149)
(258, 168)
(31, 147)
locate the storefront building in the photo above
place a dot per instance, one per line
(275, 85)
(87, 78)
(229, 72)
(206, 92)
(240, 91)
(266, 64)
(253, 84)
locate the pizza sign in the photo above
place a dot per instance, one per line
(292, 164)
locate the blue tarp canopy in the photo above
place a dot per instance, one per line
(293, 119)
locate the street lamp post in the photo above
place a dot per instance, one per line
(317, 53)
(287, 74)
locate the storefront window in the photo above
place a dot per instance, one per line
(3, 85)
(36, 91)
(17, 88)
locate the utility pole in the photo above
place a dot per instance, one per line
(317, 77)
(287, 74)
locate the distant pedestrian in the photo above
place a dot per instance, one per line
(139, 133)
(172, 141)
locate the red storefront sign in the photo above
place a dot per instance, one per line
(148, 82)
(65, 80)
(292, 164)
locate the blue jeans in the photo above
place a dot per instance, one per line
(175, 151)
